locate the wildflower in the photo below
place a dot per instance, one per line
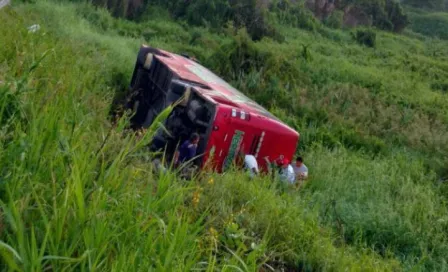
(213, 238)
(211, 181)
(213, 233)
(196, 198)
(229, 221)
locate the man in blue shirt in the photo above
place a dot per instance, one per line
(187, 150)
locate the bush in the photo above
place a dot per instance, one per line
(432, 4)
(253, 17)
(216, 13)
(238, 57)
(440, 86)
(396, 15)
(386, 14)
(123, 8)
(335, 20)
(430, 24)
(210, 13)
(98, 17)
(366, 37)
(294, 14)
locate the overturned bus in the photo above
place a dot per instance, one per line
(226, 120)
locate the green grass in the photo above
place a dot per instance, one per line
(77, 191)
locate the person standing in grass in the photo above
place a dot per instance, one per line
(300, 169)
(187, 151)
(286, 171)
(250, 163)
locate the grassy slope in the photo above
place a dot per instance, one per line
(76, 194)
(432, 24)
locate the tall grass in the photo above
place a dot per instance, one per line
(390, 203)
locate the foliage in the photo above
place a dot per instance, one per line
(216, 13)
(294, 14)
(121, 8)
(239, 57)
(385, 14)
(396, 15)
(430, 24)
(77, 192)
(335, 20)
(431, 4)
(366, 37)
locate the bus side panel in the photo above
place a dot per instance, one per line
(265, 139)
(219, 140)
(275, 147)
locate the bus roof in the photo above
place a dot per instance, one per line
(209, 84)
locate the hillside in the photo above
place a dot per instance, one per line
(77, 191)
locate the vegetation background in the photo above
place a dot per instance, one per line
(371, 104)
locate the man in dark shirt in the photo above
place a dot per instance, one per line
(187, 150)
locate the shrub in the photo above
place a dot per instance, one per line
(430, 24)
(386, 14)
(396, 15)
(366, 37)
(123, 8)
(212, 13)
(432, 4)
(98, 17)
(251, 15)
(335, 20)
(440, 86)
(294, 14)
(238, 57)
(216, 13)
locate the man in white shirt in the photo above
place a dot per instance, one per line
(300, 169)
(287, 171)
(251, 164)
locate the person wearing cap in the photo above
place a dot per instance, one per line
(286, 171)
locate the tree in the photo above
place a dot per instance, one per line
(396, 16)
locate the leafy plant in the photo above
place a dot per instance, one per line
(335, 20)
(366, 37)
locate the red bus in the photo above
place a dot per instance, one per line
(226, 120)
